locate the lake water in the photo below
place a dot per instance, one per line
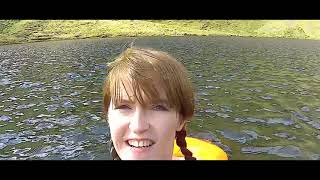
(257, 98)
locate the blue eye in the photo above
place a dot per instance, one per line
(160, 108)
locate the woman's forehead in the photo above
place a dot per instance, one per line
(126, 91)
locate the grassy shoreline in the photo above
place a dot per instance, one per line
(24, 31)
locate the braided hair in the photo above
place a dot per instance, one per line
(181, 142)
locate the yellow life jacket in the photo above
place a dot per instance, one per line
(201, 149)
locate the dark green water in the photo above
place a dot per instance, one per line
(257, 98)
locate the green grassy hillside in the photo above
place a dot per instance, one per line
(21, 31)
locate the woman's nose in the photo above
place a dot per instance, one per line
(139, 122)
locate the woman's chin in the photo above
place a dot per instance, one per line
(143, 156)
(137, 157)
(137, 154)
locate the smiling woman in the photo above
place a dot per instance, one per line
(148, 99)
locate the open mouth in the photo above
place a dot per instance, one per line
(140, 143)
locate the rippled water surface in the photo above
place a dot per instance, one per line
(257, 98)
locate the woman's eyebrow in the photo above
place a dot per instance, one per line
(162, 101)
(126, 101)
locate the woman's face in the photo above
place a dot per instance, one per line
(143, 133)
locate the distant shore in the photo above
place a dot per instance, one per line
(23, 31)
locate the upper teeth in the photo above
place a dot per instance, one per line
(140, 143)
